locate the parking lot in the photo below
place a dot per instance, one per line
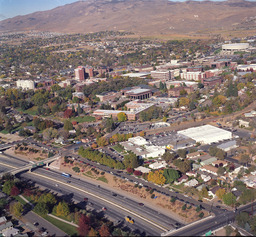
(169, 138)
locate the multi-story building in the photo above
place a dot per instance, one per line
(26, 84)
(139, 93)
(163, 75)
(80, 73)
(211, 81)
(108, 96)
(177, 90)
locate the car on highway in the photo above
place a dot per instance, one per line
(129, 219)
(141, 204)
(114, 194)
(35, 224)
(104, 209)
(86, 199)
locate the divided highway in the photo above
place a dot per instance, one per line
(146, 219)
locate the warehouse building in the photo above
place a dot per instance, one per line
(206, 134)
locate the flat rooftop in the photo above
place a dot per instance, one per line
(138, 91)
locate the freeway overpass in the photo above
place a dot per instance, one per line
(31, 166)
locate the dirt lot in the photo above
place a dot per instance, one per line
(140, 194)
(10, 137)
(29, 153)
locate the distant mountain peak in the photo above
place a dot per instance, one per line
(144, 17)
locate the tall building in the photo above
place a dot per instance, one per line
(80, 73)
(26, 84)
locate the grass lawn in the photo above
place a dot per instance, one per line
(4, 132)
(117, 148)
(103, 179)
(68, 229)
(31, 111)
(83, 119)
(19, 199)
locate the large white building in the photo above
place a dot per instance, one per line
(207, 134)
(231, 48)
(26, 84)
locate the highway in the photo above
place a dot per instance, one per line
(154, 223)
(147, 220)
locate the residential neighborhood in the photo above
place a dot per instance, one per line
(99, 130)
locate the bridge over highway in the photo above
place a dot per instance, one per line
(31, 166)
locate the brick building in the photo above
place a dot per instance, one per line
(177, 90)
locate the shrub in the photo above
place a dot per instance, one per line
(198, 209)
(76, 169)
(184, 207)
(129, 170)
(201, 215)
(173, 199)
(137, 173)
(151, 191)
(153, 195)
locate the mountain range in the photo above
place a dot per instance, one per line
(142, 17)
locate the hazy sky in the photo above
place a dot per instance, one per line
(11, 8)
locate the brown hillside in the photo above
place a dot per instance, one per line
(145, 17)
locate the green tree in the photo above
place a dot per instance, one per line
(131, 161)
(182, 153)
(41, 208)
(7, 187)
(221, 171)
(169, 156)
(47, 198)
(68, 125)
(79, 110)
(171, 175)
(16, 208)
(229, 199)
(121, 117)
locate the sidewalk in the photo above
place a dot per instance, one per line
(70, 223)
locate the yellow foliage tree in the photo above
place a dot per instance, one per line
(220, 193)
(183, 101)
(157, 177)
(121, 117)
(62, 209)
(219, 100)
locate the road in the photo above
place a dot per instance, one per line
(147, 220)
(199, 229)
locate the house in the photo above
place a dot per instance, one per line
(5, 225)
(220, 163)
(191, 174)
(10, 232)
(31, 129)
(243, 123)
(227, 146)
(194, 155)
(182, 179)
(205, 178)
(142, 169)
(208, 161)
(236, 192)
(209, 169)
(158, 165)
(212, 192)
(191, 183)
